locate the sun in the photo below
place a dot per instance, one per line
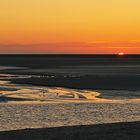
(121, 54)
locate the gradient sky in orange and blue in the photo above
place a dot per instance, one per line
(70, 26)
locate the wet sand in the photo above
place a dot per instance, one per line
(12, 93)
(57, 95)
(26, 106)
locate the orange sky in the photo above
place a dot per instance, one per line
(70, 26)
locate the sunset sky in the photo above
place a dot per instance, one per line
(70, 26)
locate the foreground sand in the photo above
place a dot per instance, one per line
(44, 115)
(118, 131)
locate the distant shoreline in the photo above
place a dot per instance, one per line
(106, 72)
